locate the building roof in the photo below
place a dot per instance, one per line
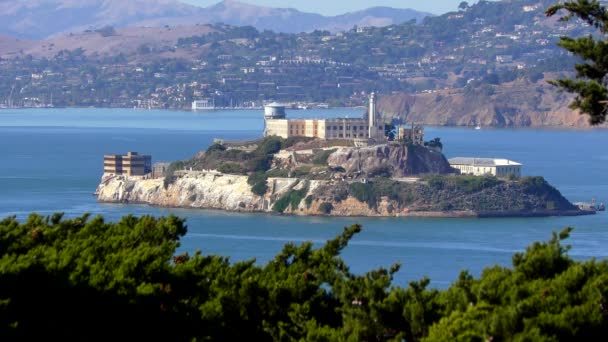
(275, 105)
(482, 162)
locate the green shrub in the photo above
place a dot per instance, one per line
(278, 173)
(270, 145)
(259, 183)
(308, 201)
(281, 205)
(475, 183)
(292, 198)
(302, 171)
(320, 157)
(216, 148)
(326, 208)
(259, 164)
(436, 182)
(386, 187)
(175, 166)
(291, 141)
(381, 171)
(232, 168)
(362, 192)
(533, 183)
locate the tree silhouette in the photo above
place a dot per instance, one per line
(590, 83)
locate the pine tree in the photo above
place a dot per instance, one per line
(591, 81)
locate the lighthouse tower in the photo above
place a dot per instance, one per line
(372, 119)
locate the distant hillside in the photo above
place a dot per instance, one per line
(44, 18)
(485, 64)
(293, 21)
(515, 104)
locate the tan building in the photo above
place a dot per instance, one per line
(415, 134)
(159, 169)
(131, 164)
(340, 128)
(487, 166)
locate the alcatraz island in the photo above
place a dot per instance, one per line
(334, 167)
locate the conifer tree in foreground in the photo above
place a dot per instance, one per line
(85, 279)
(590, 85)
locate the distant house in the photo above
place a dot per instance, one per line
(486, 166)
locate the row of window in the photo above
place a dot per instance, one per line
(348, 135)
(348, 127)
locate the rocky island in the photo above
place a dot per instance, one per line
(335, 178)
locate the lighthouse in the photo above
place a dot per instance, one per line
(372, 119)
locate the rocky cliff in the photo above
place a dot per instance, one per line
(390, 160)
(448, 196)
(517, 104)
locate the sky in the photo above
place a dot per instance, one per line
(333, 7)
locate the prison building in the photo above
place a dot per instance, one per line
(131, 164)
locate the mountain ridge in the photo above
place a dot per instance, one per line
(45, 18)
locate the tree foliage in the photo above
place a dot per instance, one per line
(88, 279)
(590, 84)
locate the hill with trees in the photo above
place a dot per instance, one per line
(491, 50)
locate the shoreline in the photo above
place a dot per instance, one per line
(414, 214)
(543, 127)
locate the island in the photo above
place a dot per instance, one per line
(334, 178)
(334, 167)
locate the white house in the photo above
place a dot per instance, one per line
(486, 166)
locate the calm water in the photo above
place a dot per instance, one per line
(51, 161)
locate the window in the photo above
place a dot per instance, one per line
(341, 128)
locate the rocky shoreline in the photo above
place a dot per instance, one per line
(293, 196)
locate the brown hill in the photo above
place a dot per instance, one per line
(516, 104)
(10, 45)
(128, 41)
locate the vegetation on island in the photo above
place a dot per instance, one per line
(484, 195)
(88, 279)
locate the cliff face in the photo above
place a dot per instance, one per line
(519, 104)
(198, 190)
(381, 197)
(392, 160)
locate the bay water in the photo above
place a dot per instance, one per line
(51, 161)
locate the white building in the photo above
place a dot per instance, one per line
(369, 127)
(486, 166)
(205, 104)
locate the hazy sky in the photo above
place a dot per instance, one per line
(333, 7)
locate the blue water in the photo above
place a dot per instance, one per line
(51, 160)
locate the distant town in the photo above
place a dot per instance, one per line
(486, 44)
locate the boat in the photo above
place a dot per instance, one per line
(477, 127)
(593, 206)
